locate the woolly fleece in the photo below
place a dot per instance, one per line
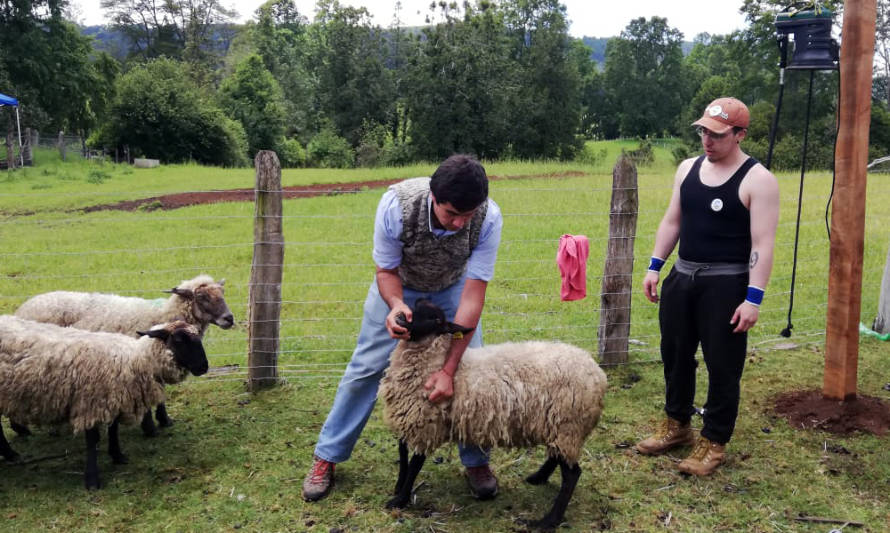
(511, 394)
(51, 375)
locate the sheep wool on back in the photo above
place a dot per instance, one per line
(50, 374)
(95, 311)
(511, 394)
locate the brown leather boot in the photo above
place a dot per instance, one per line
(670, 434)
(483, 484)
(319, 481)
(704, 459)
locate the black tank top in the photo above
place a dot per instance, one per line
(715, 226)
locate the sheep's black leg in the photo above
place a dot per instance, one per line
(91, 473)
(403, 466)
(553, 519)
(403, 498)
(5, 449)
(543, 474)
(114, 445)
(19, 428)
(161, 414)
(148, 425)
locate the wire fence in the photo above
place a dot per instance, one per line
(327, 268)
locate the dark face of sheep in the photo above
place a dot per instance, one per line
(429, 319)
(185, 343)
(209, 303)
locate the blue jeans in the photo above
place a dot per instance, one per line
(357, 391)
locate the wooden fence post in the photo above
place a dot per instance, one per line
(264, 293)
(615, 298)
(848, 211)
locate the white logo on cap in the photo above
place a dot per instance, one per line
(715, 110)
(716, 204)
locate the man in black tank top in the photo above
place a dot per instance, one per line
(724, 210)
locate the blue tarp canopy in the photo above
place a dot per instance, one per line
(8, 100)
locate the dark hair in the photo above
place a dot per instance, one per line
(461, 181)
(736, 129)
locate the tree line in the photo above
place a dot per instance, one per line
(496, 78)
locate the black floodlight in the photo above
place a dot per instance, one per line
(810, 26)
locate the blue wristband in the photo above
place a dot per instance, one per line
(655, 264)
(755, 295)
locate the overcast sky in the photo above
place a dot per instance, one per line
(591, 18)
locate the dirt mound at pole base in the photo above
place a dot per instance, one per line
(808, 409)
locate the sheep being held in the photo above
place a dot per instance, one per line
(513, 394)
(55, 375)
(199, 301)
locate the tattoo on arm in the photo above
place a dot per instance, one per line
(754, 257)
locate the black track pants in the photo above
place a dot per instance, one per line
(697, 309)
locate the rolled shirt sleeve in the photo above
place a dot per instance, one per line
(481, 263)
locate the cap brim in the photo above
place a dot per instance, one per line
(713, 125)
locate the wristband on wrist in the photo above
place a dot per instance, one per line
(754, 296)
(655, 264)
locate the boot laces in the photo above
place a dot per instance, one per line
(702, 447)
(321, 470)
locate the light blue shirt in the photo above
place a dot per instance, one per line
(388, 226)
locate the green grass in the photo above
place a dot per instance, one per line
(235, 461)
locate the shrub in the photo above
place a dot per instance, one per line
(329, 150)
(291, 154)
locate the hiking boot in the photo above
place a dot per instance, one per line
(670, 434)
(482, 482)
(319, 481)
(704, 459)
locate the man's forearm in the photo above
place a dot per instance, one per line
(390, 286)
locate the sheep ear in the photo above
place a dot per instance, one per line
(451, 327)
(185, 293)
(155, 333)
(222, 282)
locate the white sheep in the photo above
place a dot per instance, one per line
(199, 301)
(55, 375)
(512, 394)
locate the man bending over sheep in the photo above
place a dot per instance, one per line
(434, 238)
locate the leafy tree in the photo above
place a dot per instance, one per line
(348, 61)
(279, 35)
(159, 112)
(549, 106)
(48, 65)
(643, 76)
(464, 85)
(252, 97)
(173, 29)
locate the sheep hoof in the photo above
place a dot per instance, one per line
(120, 459)
(397, 503)
(92, 483)
(12, 457)
(544, 524)
(149, 430)
(536, 479)
(165, 422)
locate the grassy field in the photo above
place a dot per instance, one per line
(235, 461)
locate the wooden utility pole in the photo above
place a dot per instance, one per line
(264, 293)
(848, 211)
(618, 273)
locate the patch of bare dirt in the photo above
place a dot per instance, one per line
(808, 409)
(175, 201)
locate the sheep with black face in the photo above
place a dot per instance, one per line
(54, 375)
(513, 394)
(199, 301)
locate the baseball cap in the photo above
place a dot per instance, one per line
(723, 114)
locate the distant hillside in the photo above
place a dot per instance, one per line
(598, 45)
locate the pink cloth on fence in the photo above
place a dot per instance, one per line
(572, 261)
